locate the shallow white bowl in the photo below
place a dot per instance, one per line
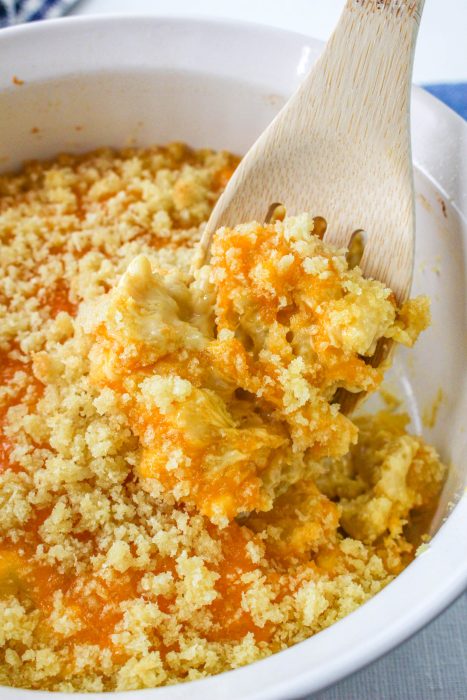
(116, 81)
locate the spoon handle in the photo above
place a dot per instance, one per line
(409, 8)
(356, 100)
(368, 62)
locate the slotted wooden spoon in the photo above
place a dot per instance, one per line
(340, 148)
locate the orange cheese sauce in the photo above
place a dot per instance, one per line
(57, 298)
(36, 584)
(29, 393)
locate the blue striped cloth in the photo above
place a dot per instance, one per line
(17, 11)
(452, 94)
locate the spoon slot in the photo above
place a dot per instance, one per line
(356, 247)
(320, 226)
(275, 212)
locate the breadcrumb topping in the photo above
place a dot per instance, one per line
(179, 495)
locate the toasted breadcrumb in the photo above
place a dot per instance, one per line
(113, 575)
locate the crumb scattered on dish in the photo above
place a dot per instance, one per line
(430, 414)
(179, 494)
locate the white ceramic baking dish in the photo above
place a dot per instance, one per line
(75, 84)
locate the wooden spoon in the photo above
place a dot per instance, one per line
(340, 147)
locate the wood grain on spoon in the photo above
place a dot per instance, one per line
(340, 148)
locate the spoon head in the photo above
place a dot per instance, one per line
(340, 148)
